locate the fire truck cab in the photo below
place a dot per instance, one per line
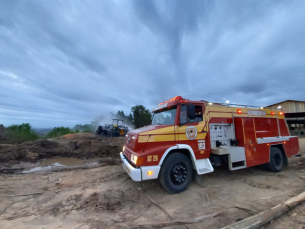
(191, 137)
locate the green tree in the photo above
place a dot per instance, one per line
(130, 118)
(141, 116)
(22, 132)
(120, 115)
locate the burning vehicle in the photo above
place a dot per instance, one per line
(116, 129)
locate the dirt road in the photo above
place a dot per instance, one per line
(105, 197)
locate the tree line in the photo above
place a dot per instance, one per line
(138, 117)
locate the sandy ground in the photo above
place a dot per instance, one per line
(105, 197)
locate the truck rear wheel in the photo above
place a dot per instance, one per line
(276, 160)
(176, 173)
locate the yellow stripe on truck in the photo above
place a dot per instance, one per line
(183, 137)
(165, 130)
(199, 127)
(157, 138)
(169, 137)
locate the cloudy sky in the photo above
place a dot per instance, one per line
(66, 62)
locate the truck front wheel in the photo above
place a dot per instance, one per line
(176, 173)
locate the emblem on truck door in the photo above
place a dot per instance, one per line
(191, 132)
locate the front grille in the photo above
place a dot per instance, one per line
(127, 154)
(131, 143)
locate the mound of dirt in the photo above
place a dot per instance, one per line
(82, 146)
(47, 144)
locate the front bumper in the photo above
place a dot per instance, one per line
(134, 173)
(139, 174)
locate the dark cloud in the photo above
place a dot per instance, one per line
(248, 88)
(65, 62)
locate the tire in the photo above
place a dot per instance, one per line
(176, 173)
(276, 160)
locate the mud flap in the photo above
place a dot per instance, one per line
(198, 179)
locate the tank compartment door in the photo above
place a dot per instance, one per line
(236, 156)
(221, 135)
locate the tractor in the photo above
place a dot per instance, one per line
(116, 129)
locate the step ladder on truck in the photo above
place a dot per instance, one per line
(189, 138)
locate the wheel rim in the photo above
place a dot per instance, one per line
(277, 160)
(178, 174)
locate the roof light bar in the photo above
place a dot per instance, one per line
(238, 105)
(175, 98)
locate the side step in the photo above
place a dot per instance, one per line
(236, 156)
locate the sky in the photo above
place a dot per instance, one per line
(66, 62)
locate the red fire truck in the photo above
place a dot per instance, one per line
(188, 137)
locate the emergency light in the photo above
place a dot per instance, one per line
(175, 98)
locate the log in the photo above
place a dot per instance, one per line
(262, 218)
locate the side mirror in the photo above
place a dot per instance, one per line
(191, 111)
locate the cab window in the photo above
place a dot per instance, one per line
(198, 118)
(165, 116)
(183, 114)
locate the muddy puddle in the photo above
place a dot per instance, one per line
(68, 161)
(49, 165)
(62, 163)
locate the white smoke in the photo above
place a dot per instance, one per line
(102, 120)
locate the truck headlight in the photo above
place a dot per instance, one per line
(137, 160)
(134, 158)
(123, 148)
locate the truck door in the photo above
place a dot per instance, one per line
(190, 132)
(252, 155)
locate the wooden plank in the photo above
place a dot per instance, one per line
(262, 218)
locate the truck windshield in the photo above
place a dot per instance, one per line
(164, 117)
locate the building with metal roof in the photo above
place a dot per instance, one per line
(294, 111)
